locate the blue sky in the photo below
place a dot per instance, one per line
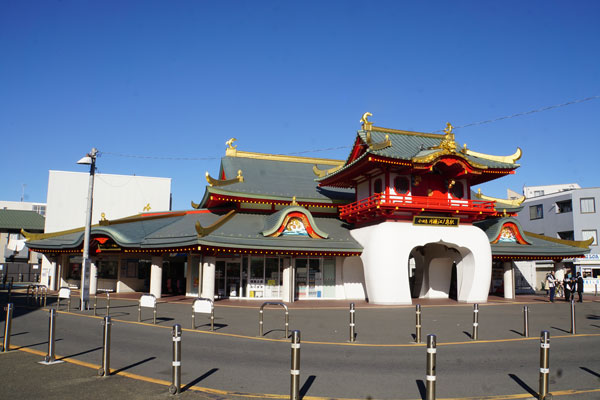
(178, 78)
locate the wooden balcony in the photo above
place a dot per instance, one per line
(385, 206)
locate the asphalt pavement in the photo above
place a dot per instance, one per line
(234, 362)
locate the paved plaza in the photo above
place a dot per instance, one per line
(233, 362)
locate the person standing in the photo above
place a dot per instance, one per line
(551, 285)
(580, 287)
(567, 286)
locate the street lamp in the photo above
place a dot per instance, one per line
(89, 159)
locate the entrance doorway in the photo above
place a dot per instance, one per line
(173, 281)
(228, 279)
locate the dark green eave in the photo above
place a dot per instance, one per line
(15, 220)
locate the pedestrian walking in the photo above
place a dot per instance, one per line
(579, 287)
(551, 285)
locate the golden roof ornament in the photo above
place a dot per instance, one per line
(294, 202)
(448, 142)
(147, 207)
(231, 149)
(366, 125)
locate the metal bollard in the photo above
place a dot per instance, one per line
(175, 387)
(525, 321)
(544, 364)
(10, 285)
(51, 329)
(7, 327)
(295, 370)
(431, 374)
(95, 304)
(475, 321)
(20, 277)
(352, 322)
(107, 303)
(418, 324)
(596, 291)
(573, 329)
(105, 368)
(260, 322)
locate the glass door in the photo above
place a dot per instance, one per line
(232, 278)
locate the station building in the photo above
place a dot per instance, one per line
(397, 220)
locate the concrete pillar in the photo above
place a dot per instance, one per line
(94, 277)
(63, 265)
(208, 277)
(509, 280)
(188, 274)
(287, 288)
(156, 276)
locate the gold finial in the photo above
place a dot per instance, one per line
(103, 217)
(229, 143)
(294, 202)
(367, 125)
(147, 207)
(449, 128)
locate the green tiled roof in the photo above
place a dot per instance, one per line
(276, 180)
(241, 231)
(21, 219)
(407, 146)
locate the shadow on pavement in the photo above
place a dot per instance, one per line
(132, 365)
(590, 371)
(199, 379)
(80, 353)
(307, 384)
(422, 388)
(523, 385)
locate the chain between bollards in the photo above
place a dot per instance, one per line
(525, 321)
(295, 370)
(7, 327)
(475, 335)
(175, 387)
(105, 368)
(418, 323)
(51, 329)
(431, 374)
(573, 328)
(352, 322)
(544, 365)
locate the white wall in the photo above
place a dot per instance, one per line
(117, 196)
(387, 248)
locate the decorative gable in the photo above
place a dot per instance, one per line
(509, 233)
(293, 221)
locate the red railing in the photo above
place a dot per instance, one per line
(384, 202)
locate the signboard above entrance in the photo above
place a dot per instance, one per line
(436, 221)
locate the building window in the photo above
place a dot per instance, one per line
(378, 186)
(401, 185)
(538, 193)
(107, 269)
(536, 212)
(588, 205)
(566, 235)
(74, 269)
(458, 190)
(564, 206)
(590, 233)
(40, 209)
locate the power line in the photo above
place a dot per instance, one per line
(489, 121)
(524, 113)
